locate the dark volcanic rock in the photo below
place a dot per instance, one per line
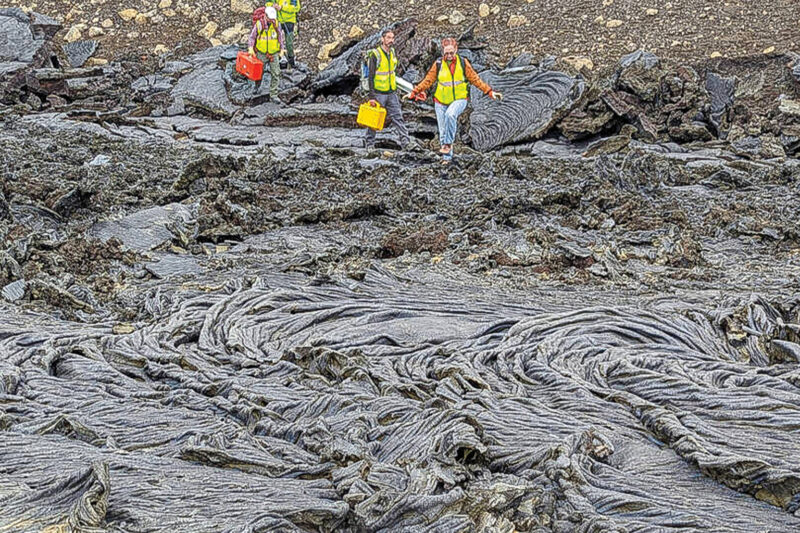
(146, 229)
(204, 89)
(534, 100)
(78, 52)
(152, 84)
(23, 36)
(639, 73)
(5, 209)
(722, 92)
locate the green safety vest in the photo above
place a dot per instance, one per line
(385, 77)
(267, 41)
(289, 10)
(451, 87)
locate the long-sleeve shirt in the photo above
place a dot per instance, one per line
(433, 76)
(251, 43)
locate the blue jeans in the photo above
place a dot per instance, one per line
(447, 117)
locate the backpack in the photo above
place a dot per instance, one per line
(364, 75)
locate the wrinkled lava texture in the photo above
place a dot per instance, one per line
(223, 317)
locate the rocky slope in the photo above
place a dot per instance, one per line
(598, 32)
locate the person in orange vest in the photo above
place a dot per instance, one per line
(266, 43)
(452, 74)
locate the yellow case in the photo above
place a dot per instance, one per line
(371, 117)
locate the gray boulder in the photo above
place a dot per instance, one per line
(79, 52)
(721, 91)
(534, 100)
(147, 229)
(204, 89)
(23, 36)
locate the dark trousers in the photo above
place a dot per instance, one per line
(288, 35)
(393, 111)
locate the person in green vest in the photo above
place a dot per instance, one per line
(382, 64)
(453, 76)
(266, 43)
(287, 17)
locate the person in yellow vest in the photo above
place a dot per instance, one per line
(287, 18)
(452, 75)
(382, 63)
(266, 43)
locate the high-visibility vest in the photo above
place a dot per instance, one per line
(289, 10)
(451, 87)
(385, 77)
(267, 41)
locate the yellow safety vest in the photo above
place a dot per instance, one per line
(453, 87)
(385, 77)
(289, 10)
(267, 41)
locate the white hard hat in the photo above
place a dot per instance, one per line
(271, 13)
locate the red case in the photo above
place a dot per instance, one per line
(249, 66)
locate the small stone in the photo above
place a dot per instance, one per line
(97, 61)
(242, 6)
(614, 23)
(313, 41)
(355, 32)
(164, 4)
(496, 10)
(515, 21)
(141, 18)
(579, 62)
(107, 23)
(769, 50)
(14, 291)
(94, 31)
(483, 10)
(215, 42)
(651, 12)
(600, 20)
(128, 14)
(74, 33)
(715, 55)
(231, 34)
(122, 329)
(208, 30)
(324, 53)
(456, 17)
(160, 49)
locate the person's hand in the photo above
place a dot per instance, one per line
(373, 103)
(410, 96)
(277, 7)
(494, 95)
(251, 51)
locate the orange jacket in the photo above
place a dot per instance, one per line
(469, 72)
